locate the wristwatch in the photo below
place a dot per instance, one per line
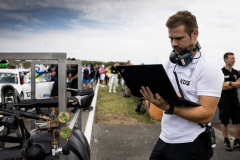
(230, 83)
(171, 109)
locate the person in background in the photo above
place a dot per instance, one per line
(106, 75)
(20, 66)
(97, 73)
(9, 65)
(54, 91)
(100, 68)
(74, 80)
(86, 72)
(229, 107)
(92, 74)
(102, 76)
(123, 82)
(127, 90)
(113, 79)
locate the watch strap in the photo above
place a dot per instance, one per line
(171, 109)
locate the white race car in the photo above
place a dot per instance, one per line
(20, 79)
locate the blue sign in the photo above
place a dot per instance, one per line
(46, 95)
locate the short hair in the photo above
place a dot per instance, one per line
(185, 18)
(227, 54)
(73, 59)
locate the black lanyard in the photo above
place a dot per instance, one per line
(180, 90)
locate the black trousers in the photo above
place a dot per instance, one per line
(196, 150)
(54, 91)
(97, 76)
(106, 80)
(75, 86)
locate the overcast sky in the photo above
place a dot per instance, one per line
(115, 30)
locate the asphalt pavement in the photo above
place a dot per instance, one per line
(128, 142)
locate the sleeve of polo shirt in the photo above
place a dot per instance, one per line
(238, 75)
(209, 80)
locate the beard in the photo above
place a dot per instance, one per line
(180, 49)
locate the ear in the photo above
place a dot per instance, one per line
(225, 60)
(194, 34)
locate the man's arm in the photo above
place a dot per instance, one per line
(69, 75)
(53, 73)
(236, 84)
(226, 86)
(202, 114)
(74, 77)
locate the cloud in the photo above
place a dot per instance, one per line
(120, 30)
(19, 26)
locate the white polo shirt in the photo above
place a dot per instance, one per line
(203, 77)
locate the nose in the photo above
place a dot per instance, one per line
(174, 43)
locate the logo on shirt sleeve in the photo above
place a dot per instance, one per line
(235, 77)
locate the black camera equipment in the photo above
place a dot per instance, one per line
(9, 94)
(211, 139)
(33, 148)
(39, 143)
(184, 57)
(83, 100)
(140, 108)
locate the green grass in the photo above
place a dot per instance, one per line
(111, 106)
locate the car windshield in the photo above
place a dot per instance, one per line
(44, 77)
(8, 78)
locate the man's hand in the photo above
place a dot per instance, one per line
(178, 94)
(226, 86)
(226, 83)
(238, 79)
(71, 80)
(158, 101)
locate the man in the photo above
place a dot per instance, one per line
(74, 80)
(54, 91)
(86, 72)
(229, 103)
(97, 73)
(102, 76)
(182, 137)
(20, 66)
(99, 70)
(92, 76)
(114, 78)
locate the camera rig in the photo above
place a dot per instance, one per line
(29, 147)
